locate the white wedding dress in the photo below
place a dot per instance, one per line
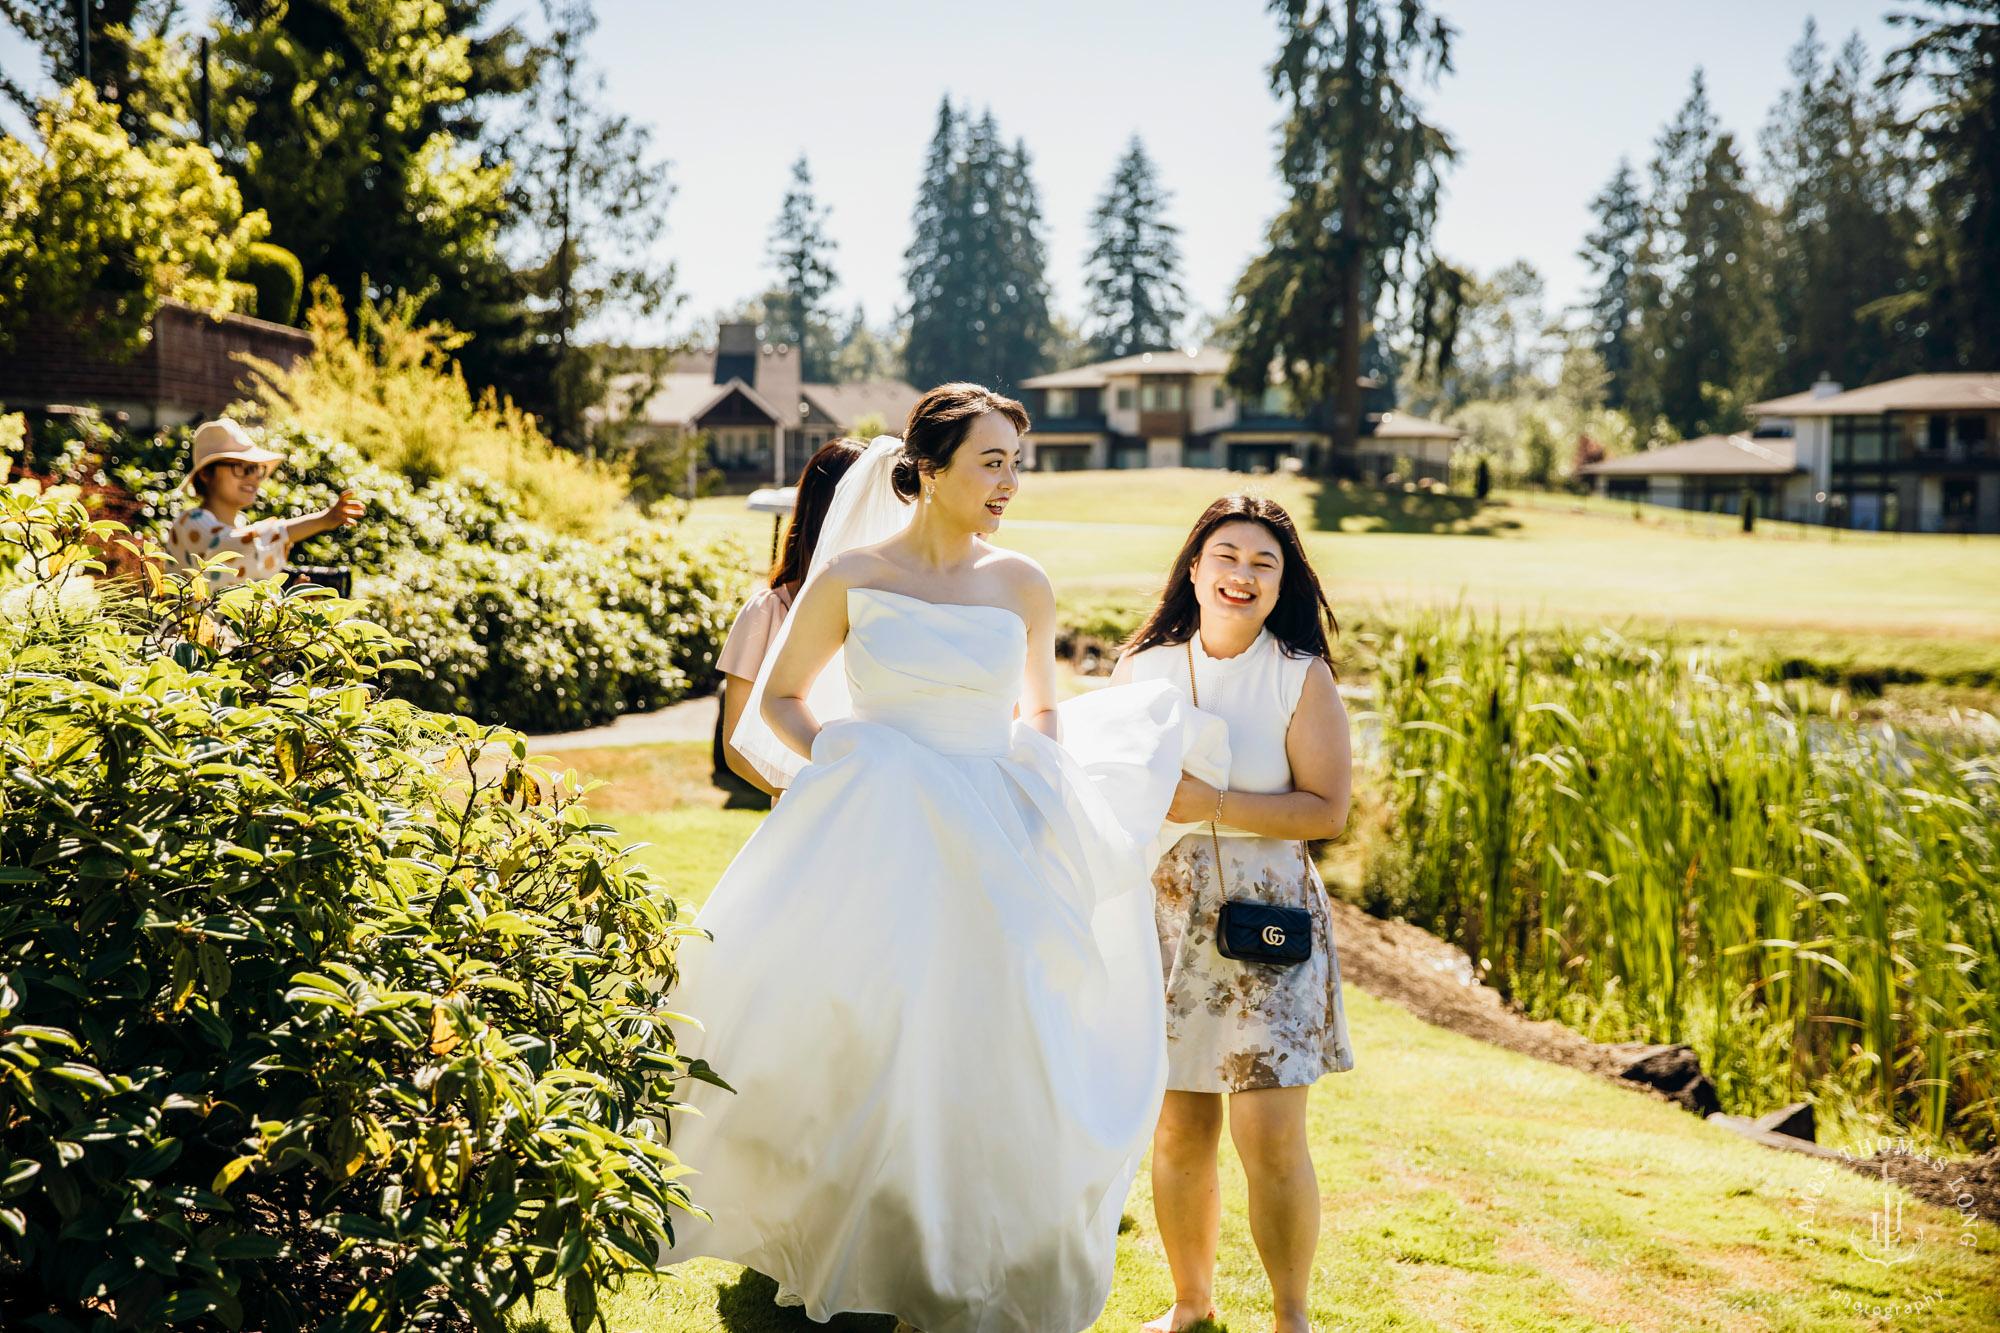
(935, 987)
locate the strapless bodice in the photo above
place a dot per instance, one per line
(947, 676)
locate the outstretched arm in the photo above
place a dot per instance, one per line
(336, 515)
(818, 628)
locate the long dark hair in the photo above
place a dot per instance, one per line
(940, 422)
(1301, 619)
(816, 486)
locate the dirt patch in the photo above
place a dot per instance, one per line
(1408, 966)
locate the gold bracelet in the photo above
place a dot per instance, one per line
(1220, 792)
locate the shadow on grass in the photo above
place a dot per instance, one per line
(749, 1305)
(1352, 507)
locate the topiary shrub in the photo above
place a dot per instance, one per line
(276, 275)
(317, 1010)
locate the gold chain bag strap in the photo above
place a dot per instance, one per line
(1245, 931)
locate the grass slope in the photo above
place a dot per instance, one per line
(1464, 1187)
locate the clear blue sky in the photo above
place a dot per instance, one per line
(1546, 96)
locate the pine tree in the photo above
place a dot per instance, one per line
(932, 349)
(800, 250)
(1133, 272)
(1362, 168)
(589, 200)
(1019, 308)
(1844, 226)
(978, 293)
(1704, 341)
(1955, 55)
(1612, 251)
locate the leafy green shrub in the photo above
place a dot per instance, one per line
(309, 1016)
(96, 231)
(276, 275)
(506, 620)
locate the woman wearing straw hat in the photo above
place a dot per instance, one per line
(228, 470)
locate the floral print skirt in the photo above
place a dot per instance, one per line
(1236, 1027)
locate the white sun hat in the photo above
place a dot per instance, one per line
(222, 439)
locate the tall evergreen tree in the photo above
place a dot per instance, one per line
(1844, 228)
(1704, 339)
(800, 249)
(933, 348)
(975, 269)
(1955, 57)
(1362, 167)
(589, 200)
(1133, 272)
(1612, 251)
(358, 128)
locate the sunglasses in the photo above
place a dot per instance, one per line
(248, 471)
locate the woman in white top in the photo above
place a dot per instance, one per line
(1242, 628)
(756, 627)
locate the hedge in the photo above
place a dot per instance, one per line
(505, 620)
(310, 1016)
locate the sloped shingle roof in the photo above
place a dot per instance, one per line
(1911, 393)
(1711, 455)
(849, 403)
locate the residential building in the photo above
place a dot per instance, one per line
(188, 367)
(1711, 473)
(1917, 454)
(762, 421)
(1172, 409)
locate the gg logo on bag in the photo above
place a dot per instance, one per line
(1274, 936)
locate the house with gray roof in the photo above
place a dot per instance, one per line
(762, 420)
(1916, 454)
(1172, 409)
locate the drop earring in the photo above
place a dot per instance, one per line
(930, 492)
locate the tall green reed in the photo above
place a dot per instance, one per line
(1619, 838)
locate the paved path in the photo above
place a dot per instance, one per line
(690, 720)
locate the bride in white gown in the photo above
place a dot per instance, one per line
(934, 984)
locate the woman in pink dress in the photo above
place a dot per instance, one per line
(756, 626)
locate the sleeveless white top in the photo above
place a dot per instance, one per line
(1255, 692)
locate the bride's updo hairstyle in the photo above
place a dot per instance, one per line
(939, 423)
(1300, 620)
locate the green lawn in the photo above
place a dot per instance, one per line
(1540, 557)
(1465, 1187)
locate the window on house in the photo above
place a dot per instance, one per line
(1124, 400)
(1275, 403)
(1062, 402)
(1220, 399)
(763, 444)
(1971, 431)
(1160, 398)
(1939, 433)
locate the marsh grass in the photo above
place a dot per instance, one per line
(1622, 840)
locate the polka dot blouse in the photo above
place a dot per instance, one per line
(198, 535)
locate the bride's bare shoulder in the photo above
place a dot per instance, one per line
(1019, 570)
(1025, 580)
(857, 568)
